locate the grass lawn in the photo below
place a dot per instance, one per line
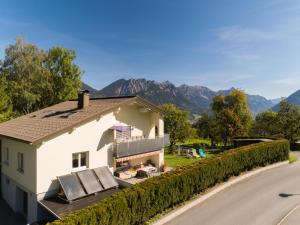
(174, 160)
(196, 141)
(177, 161)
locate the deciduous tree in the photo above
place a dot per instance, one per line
(38, 78)
(65, 74)
(266, 124)
(176, 123)
(5, 104)
(289, 120)
(232, 114)
(206, 127)
(26, 77)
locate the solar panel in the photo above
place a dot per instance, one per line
(106, 178)
(89, 181)
(71, 186)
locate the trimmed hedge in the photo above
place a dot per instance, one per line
(140, 202)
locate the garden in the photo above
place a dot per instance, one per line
(187, 152)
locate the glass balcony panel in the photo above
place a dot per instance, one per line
(135, 147)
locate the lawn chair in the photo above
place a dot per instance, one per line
(194, 153)
(202, 153)
(188, 152)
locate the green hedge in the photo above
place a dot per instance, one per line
(140, 202)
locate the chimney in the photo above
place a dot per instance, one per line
(83, 99)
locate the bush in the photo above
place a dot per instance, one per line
(140, 202)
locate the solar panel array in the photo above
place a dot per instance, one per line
(90, 181)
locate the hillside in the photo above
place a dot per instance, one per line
(293, 98)
(89, 88)
(195, 99)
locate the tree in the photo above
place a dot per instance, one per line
(289, 120)
(5, 104)
(266, 124)
(176, 123)
(27, 79)
(206, 127)
(232, 114)
(37, 78)
(65, 74)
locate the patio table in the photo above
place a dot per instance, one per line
(147, 170)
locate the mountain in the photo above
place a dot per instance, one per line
(259, 104)
(196, 99)
(293, 99)
(277, 100)
(92, 91)
(156, 92)
(256, 103)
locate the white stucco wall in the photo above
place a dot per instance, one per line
(12, 179)
(28, 177)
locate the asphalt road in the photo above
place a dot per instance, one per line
(260, 200)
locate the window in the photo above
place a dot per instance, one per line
(156, 131)
(79, 160)
(5, 154)
(20, 162)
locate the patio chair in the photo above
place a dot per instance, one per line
(194, 153)
(202, 153)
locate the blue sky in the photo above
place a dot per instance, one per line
(252, 45)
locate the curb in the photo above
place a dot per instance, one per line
(168, 217)
(287, 215)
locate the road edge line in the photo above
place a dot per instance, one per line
(173, 214)
(287, 215)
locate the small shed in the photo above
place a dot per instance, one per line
(248, 141)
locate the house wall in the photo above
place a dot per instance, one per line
(28, 177)
(141, 122)
(54, 157)
(11, 195)
(12, 179)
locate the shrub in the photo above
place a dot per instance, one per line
(140, 202)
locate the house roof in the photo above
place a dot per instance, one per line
(49, 122)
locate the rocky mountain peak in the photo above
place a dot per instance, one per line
(195, 99)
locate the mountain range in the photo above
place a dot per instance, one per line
(195, 99)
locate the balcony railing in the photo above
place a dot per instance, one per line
(140, 146)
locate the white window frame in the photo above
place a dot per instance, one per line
(80, 167)
(20, 159)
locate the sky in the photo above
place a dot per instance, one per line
(251, 45)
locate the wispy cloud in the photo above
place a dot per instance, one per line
(238, 56)
(219, 78)
(245, 34)
(288, 81)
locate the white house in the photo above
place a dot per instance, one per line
(72, 136)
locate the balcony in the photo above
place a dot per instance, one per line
(137, 146)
